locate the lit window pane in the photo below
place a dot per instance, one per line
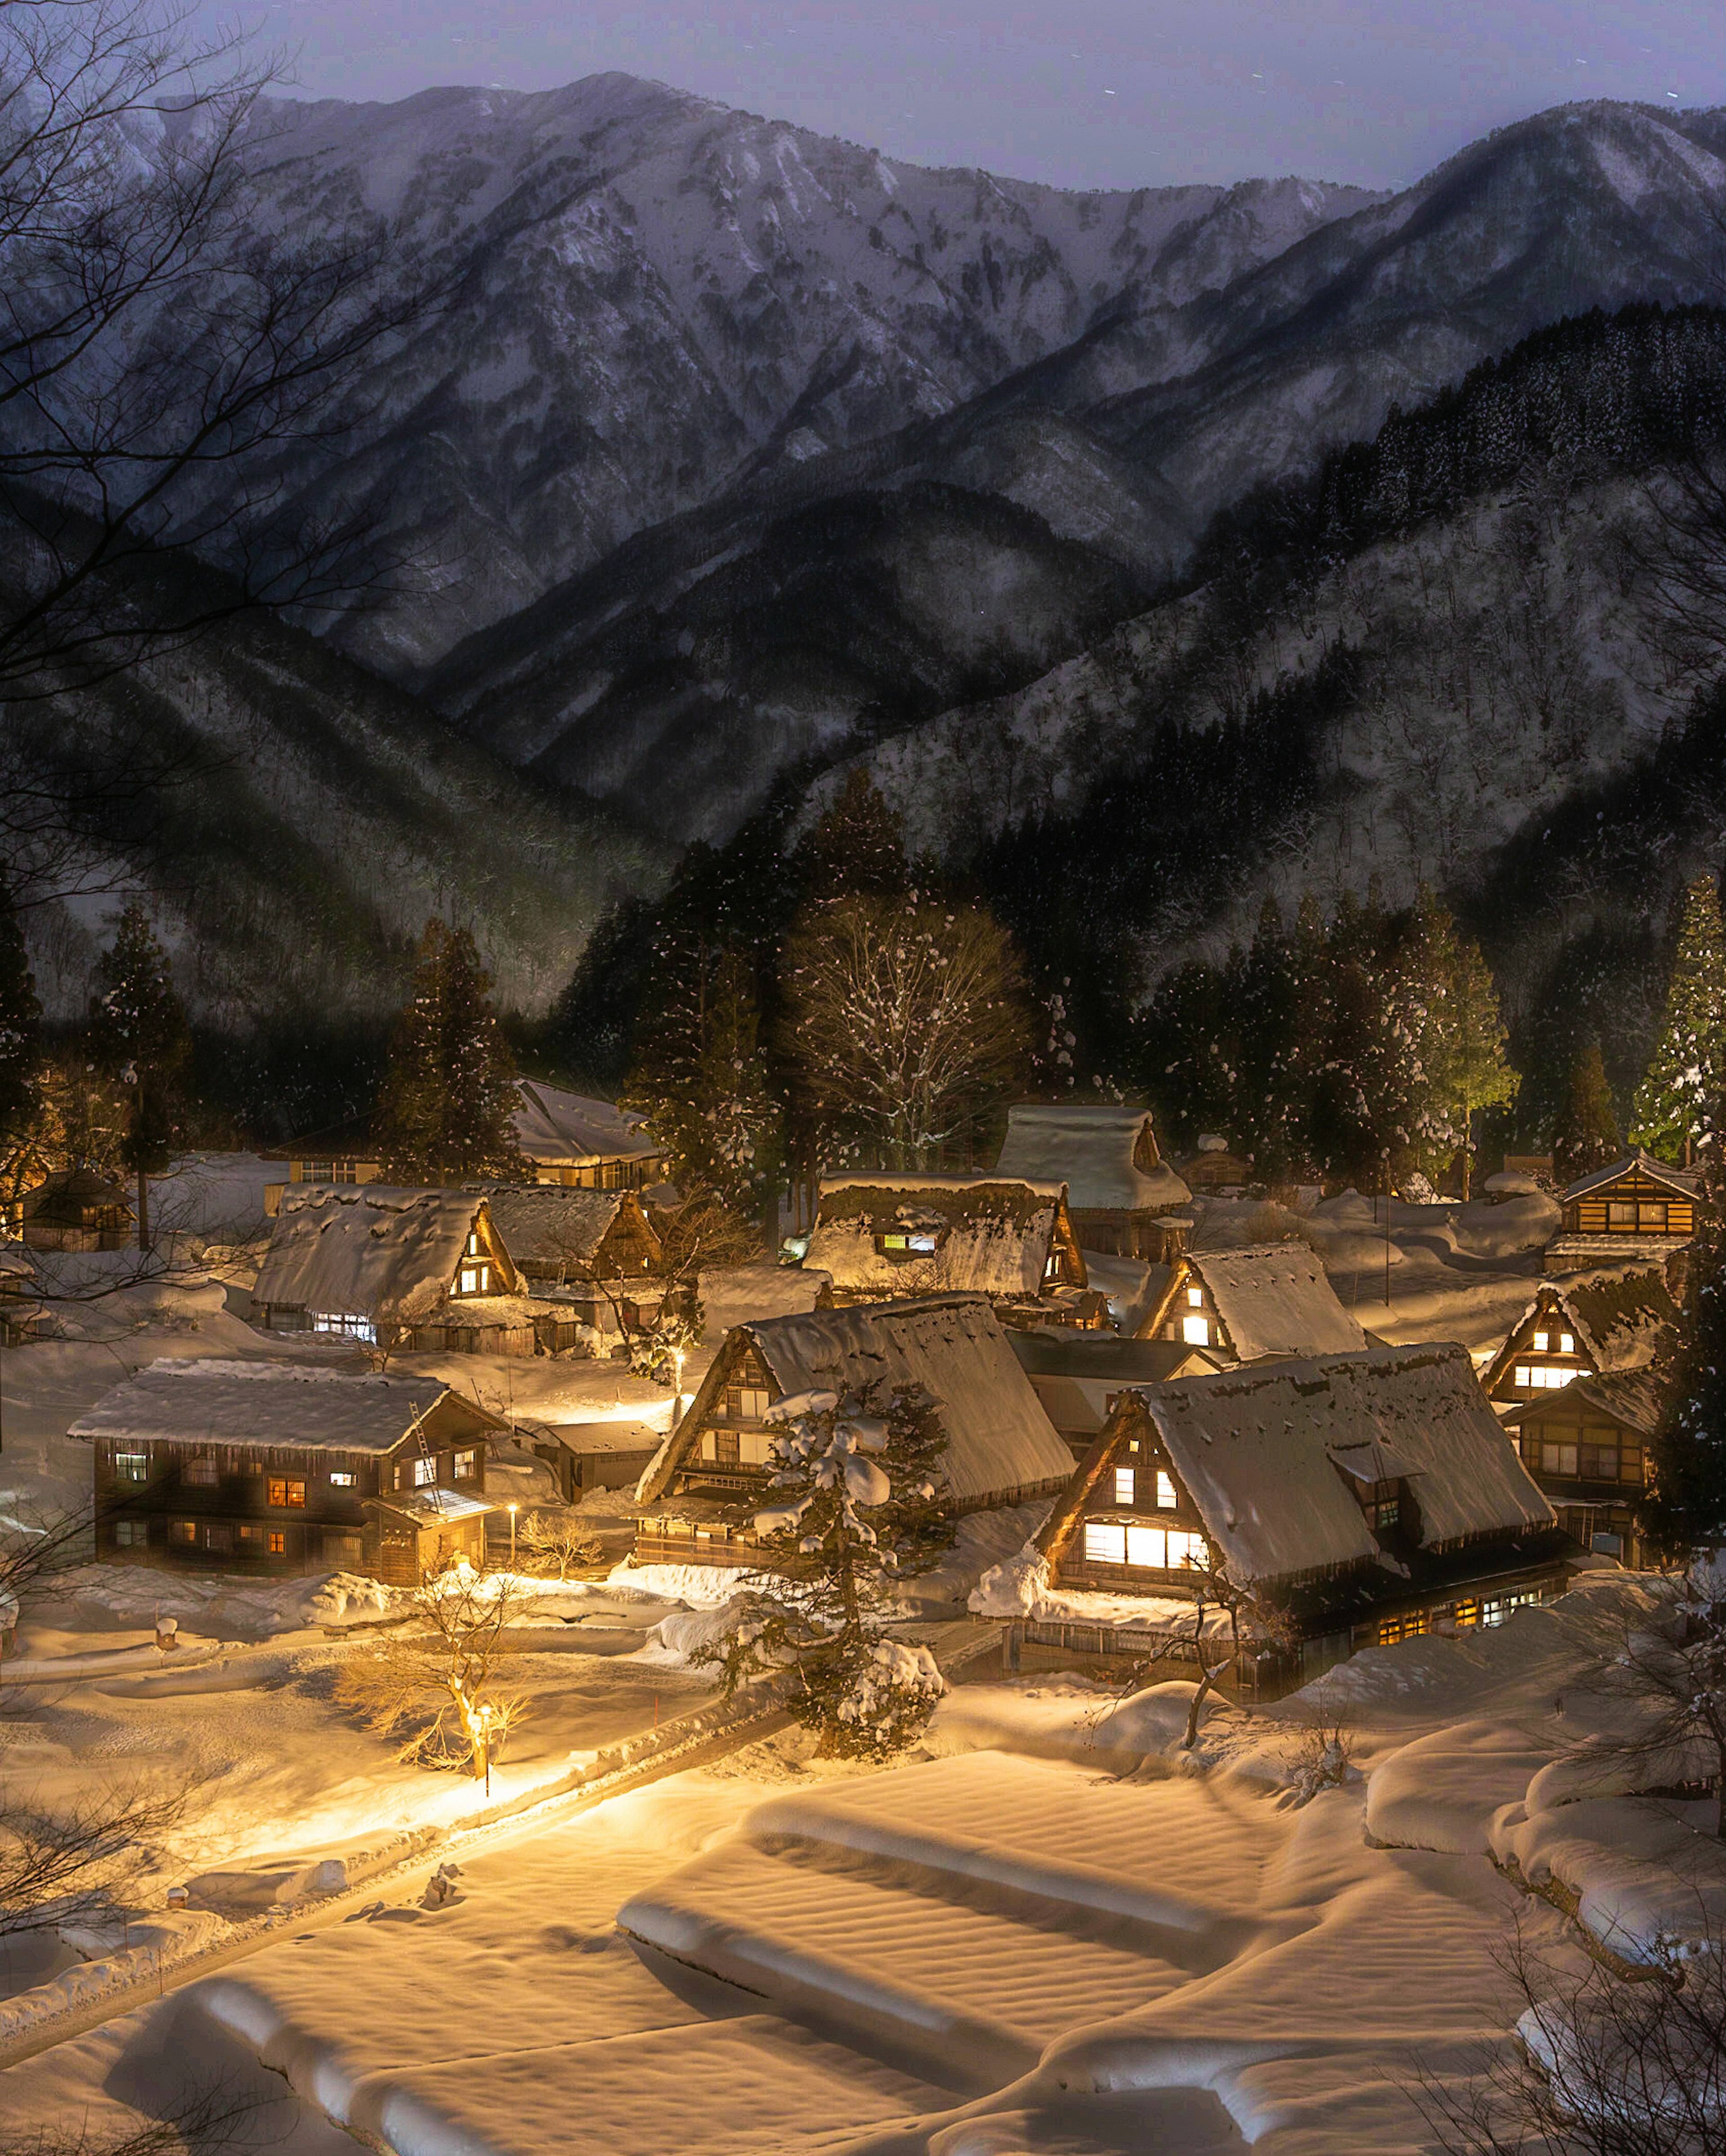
(1124, 1486)
(1186, 1549)
(1106, 1542)
(1165, 1490)
(1146, 1546)
(1195, 1331)
(1540, 1342)
(1195, 1298)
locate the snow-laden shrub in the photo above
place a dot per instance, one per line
(889, 1699)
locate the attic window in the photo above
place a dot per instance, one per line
(474, 1250)
(475, 1280)
(1543, 1341)
(1166, 1498)
(908, 1242)
(131, 1466)
(1567, 1343)
(1195, 1298)
(1195, 1331)
(1125, 1482)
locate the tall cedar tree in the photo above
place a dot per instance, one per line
(138, 1034)
(1584, 1134)
(858, 845)
(857, 1489)
(1685, 1502)
(906, 1025)
(446, 1110)
(700, 1076)
(1458, 1030)
(1687, 1073)
(20, 1032)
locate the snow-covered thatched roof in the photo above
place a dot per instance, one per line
(992, 1234)
(736, 1295)
(1679, 1181)
(548, 1224)
(999, 1437)
(1258, 1452)
(1631, 1397)
(557, 1129)
(1275, 1299)
(366, 1251)
(1617, 1314)
(1107, 1157)
(296, 1406)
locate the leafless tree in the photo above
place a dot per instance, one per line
(210, 2120)
(173, 364)
(433, 1689)
(76, 1863)
(905, 1022)
(1608, 2059)
(557, 1542)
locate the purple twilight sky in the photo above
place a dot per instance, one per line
(1086, 93)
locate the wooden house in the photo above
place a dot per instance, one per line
(1587, 1447)
(1366, 1498)
(77, 1209)
(1123, 1199)
(564, 1139)
(882, 1238)
(1214, 1171)
(1078, 1376)
(1637, 1208)
(272, 1467)
(700, 1496)
(1581, 1325)
(416, 1268)
(555, 1233)
(1248, 1305)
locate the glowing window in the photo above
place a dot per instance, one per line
(1166, 1497)
(1195, 1298)
(1147, 1546)
(1542, 1341)
(278, 1543)
(1106, 1542)
(284, 1490)
(131, 1466)
(425, 1472)
(184, 1531)
(1195, 1331)
(1567, 1343)
(1124, 1481)
(341, 1480)
(473, 1244)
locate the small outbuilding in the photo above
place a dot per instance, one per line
(78, 1209)
(709, 1477)
(1253, 1303)
(1123, 1199)
(279, 1467)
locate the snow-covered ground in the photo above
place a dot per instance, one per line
(1034, 1934)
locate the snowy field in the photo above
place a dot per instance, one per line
(1036, 1934)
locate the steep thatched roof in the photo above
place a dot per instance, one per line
(991, 1235)
(1618, 1314)
(1259, 1451)
(367, 1251)
(1106, 1156)
(953, 1347)
(546, 1224)
(557, 1129)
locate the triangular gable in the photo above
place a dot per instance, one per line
(1616, 1313)
(1674, 1181)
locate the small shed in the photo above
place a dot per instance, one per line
(710, 1474)
(1121, 1196)
(1214, 1170)
(882, 1238)
(1637, 1208)
(78, 1209)
(1248, 1305)
(419, 1533)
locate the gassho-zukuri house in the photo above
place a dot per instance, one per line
(271, 1467)
(1122, 1197)
(1247, 1304)
(700, 1496)
(883, 1238)
(1368, 1498)
(1637, 1208)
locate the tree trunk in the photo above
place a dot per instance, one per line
(143, 1211)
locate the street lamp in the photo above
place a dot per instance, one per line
(676, 1383)
(514, 1509)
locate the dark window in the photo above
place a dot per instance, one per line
(205, 1472)
(1600, 1462)
(724, 1445)
(218, 1535)
(467, 1465)
(131, 1534)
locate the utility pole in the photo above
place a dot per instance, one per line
(1387, 1227)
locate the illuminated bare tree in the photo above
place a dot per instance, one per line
(906, 1025)
(433, 1689)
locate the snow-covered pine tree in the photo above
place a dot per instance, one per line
(1454, 1018)
(138, 1033)
(1684, 1504)
(1687, 1072)
(20, 1032)
(1584, 1132)
(446, 1110)
(857, 1508)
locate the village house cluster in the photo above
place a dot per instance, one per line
(1223, 1440)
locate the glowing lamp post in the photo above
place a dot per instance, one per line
(514, 1509)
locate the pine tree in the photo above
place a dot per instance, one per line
(20, 1032)
(1457, 1030)
(446, 1110)
(1688, 1069)
(857, 1491)
(1684, 1506)
(858, 846)
(138, 1033)
(1584, 1135)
